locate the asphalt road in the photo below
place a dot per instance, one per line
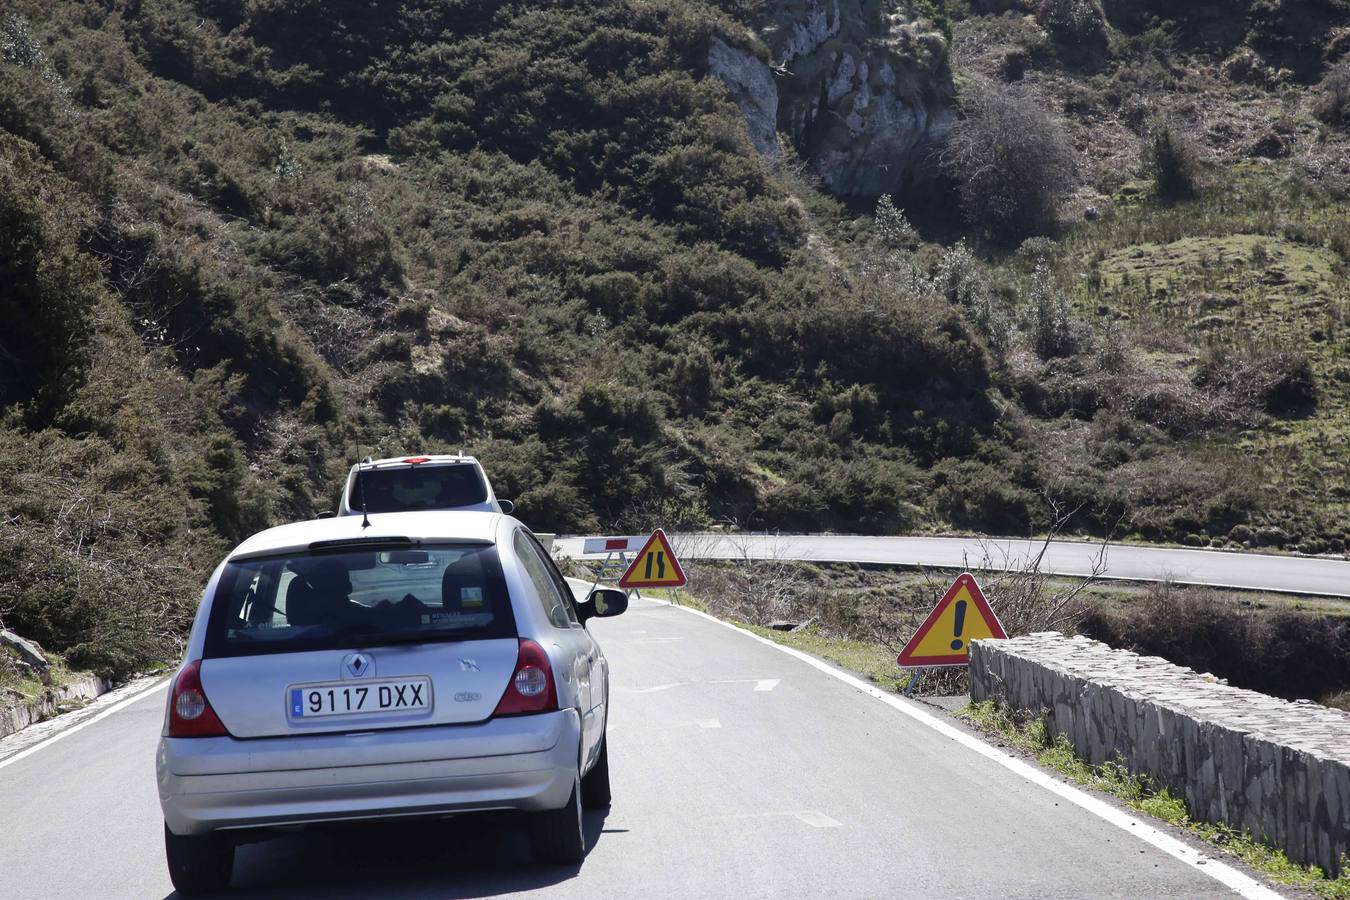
(738, 771)
(1254, 571)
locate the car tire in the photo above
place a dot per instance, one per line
(595, 784)
(556, 836)
(198, 864)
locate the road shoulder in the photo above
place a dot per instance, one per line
(33, 738)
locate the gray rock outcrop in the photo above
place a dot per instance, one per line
(752, 86)
(1276, 769)
(29, 653)
(860, 88)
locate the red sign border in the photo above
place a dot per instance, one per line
(658, 536)
(907, 661)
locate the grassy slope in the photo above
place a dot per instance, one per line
(274, 238)
(1248, 279)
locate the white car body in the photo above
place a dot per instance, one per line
(350, 503)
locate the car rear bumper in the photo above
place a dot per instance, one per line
(524, 762)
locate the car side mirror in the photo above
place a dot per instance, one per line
(603, 603)
(507, 506)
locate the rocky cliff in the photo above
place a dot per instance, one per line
(859, 87)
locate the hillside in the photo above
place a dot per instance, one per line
(632, 255)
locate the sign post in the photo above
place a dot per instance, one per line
(616, 550)
(961, 616)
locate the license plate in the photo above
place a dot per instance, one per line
(346, 698)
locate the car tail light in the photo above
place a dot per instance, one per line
(190, 713)
(414, 460)
(531, 689)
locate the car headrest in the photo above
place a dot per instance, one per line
(463, 587)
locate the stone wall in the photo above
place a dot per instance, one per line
(18, 712)
(1276, 769)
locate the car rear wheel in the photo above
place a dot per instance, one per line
(198, 864)
(556, 837)
(595, 786)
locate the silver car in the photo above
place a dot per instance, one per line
(429, 664)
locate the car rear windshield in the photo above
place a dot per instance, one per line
(417, 488)
(359, 598)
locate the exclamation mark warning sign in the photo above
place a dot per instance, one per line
(961, 616)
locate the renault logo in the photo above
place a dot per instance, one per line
(358, 665)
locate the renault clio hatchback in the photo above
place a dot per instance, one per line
(427, 665)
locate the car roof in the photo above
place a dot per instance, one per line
(428, 459)
(437, 525)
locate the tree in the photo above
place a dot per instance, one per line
(1333, 106)
(1012, 163)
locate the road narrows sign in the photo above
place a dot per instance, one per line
(655, 566)
(961, 616)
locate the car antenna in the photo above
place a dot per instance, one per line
(365, 517)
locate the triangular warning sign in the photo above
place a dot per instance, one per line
(961, 616)
(654, 566)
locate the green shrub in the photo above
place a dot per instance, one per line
(47, 291)
(1078, 28)
(1333, 103)
(1293, 655)
(981, 497)
(1172, 160)
(1054, 331)
(892, 227)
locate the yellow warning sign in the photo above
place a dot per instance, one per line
(654, 566)
(961, 616)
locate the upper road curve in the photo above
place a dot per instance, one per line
(1215, 568)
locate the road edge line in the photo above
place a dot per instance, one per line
(1239, 882)
(67, 732)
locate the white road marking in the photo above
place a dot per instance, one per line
(116, 707)
(1240, 883)
(761, 684)
(709, 723)
(817, 819)
(659, 687)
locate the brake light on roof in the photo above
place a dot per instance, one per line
(190, 713)
(531, 689)
(414, 460)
